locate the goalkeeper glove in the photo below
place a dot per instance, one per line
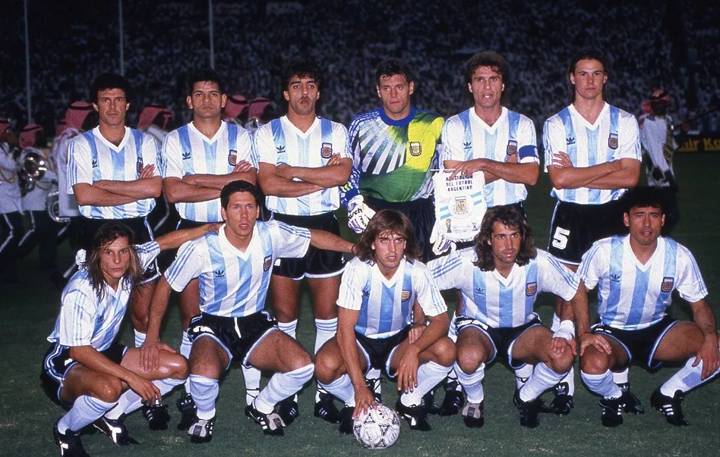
(359, 214)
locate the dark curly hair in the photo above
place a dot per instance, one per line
(511, 216)
(106, 234)
(383, 221)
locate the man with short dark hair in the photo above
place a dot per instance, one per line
(303, 160)
(498, 285)
(636, 275)
(235, 265)
(198, 160)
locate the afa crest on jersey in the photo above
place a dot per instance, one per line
(404, 295)
(232, 157)
(326, 150)
(415, 148)
(530, 289)
(613, 141)
(267, 263)
(667, 285)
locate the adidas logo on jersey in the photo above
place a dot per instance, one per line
(186, 155)
(570, 140)
(467, 145)
(219, 273)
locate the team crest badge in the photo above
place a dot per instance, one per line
(139, 165)
(405, 295)
(326, 150)
(530, 289)
(415, 148)
(267, 263)
(232, 157)
(511, 147)
(667, 285)
(613, 141)
(461, 206)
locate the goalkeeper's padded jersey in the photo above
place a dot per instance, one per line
(392, 159)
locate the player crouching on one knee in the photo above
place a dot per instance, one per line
(498, 285)
(234, 267)
(86, 370)
(636, 275)
(375, 324)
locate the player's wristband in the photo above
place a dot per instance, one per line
(565, 330)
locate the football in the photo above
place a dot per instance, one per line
(377, 428)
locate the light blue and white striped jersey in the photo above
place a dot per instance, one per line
(386, 305)
(86, 321)
(93, 158)
(279, 141)
(234, 283)
(465, 137)
(495, 300)
(632, 295)
(186, 151)
(613, 136)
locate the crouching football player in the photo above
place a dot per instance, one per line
(636, 275)
(377, 293)
(86, 370)
(234, 268)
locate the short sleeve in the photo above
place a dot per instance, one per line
(186, 266)
(79, 167)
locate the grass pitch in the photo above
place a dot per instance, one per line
(27, 416)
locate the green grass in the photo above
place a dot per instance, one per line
(26, 415)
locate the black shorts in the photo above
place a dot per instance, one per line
(317, 263)
(502, 339)
(141, 229)
(574, 228)
(421, 213)
(236, 335)
(639, 344)
(166, 257)
(378, 351)
(57, 364)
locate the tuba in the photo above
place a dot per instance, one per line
(53, 208)
(32, 169)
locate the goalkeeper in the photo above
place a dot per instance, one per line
(394, 148)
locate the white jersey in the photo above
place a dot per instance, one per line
(36, 199)
(632, 295)
(659, 144)
(279, 141)
(93, 158)
(67, 206)
(157, 133)
(10, 200)
(187, 151)
(234, 283)
(613, 136)
(465, 137)
(495, 300)
(386, 305)
(84, 319)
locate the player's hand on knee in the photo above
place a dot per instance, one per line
(558, 345)
(407, 371)
(709, 355)
(150, 355)
(596, 341)
(363, 400)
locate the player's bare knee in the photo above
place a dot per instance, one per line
(561, 362)
(108, 389)
(469, 359)
(444, 351)
(176, 366)
(594, 362)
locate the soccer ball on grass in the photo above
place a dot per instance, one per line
(377, 428)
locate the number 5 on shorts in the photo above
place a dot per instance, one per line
(560, 238)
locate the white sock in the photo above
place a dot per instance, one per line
(204, 392)
(139, 338)
(601, 384)
(556, 323)
(281, 386)
(686, 378)
(522, 375)
(428, 376)
(373, 373)
(342, 388)
(543, 378)
(324, 330)
(252, 383)
(569, 379)
(621, 377)
(472, 383)
(85, 411)
(290, 328)
(185, 347)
